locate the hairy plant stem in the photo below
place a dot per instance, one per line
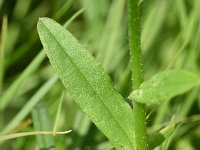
(140, 142)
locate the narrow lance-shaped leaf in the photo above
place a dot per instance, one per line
(164, 86)
(88, 84)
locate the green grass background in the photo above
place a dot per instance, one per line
(170, 39)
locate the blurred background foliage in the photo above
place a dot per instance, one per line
(170, 38)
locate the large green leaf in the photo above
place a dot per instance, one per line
(88, 84)
(164, 86)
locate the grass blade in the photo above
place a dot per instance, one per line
(2, 49)
(87, 82)
(81, 128)
(58, 112)
(42, 122)
(12, 90)
(17, 135)
(73, 17)
(30, 104)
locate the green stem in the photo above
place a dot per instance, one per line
(137, 75)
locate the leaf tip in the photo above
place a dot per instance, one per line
(42, 23)
(43, 20)
(39, 23)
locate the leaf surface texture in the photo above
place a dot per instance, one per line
(88, 84)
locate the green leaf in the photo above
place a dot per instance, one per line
(41, 122)
(88, 84)
(155, 139)
(162, 137)
(167, 133)
(164, 86)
